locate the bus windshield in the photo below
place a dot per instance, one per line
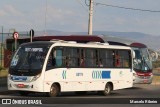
(29, 58)
(142, 61)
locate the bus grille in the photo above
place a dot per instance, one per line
(144, 77)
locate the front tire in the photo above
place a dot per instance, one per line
(54, 91)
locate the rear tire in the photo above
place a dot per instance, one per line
(54, 91)
(107, 90)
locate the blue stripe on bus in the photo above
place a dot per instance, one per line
(106, 74)
(19, 78)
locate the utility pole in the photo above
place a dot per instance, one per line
(45, 33)
(2, 48)
(90, 18)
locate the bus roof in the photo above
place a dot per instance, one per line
(70, 44)
(88, 38)
(38, 43)
(119, 41)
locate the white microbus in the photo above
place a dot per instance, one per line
(59, 66)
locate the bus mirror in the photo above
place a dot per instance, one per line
(154, 55)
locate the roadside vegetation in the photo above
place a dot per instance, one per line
(156, 64)
(3, 72)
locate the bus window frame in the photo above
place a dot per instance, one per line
(96, 49)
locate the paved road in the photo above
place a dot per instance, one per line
(144, 92)
(125, 95)
(138, 91)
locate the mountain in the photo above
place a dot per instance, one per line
(151, 41)
(52, 32)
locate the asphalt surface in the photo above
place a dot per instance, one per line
(141, 91)
(3, 85)
(3, 81)
(120, 98)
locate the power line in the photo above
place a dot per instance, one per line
(128, 8)
(82, 5)
(86, 3)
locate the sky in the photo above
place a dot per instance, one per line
(72, 15)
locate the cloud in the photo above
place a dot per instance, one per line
(2, 13)
(58, 18)
(120, 20)
(11, 10)
(58, 13)
(69, 15)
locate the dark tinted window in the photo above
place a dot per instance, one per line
(106, 58)
(71, 57)
(92, 58)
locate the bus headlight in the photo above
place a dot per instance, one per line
(150, 74)
(9, 76)
(134, 74)
(35, 77)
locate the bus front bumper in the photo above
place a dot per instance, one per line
(143, 80)
(24, 86)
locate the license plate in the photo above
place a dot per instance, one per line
(20, 85)
(145, 81)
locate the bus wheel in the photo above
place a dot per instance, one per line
(23, 93)
(54, 91)
(107, 90)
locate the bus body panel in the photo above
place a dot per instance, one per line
(86, 79)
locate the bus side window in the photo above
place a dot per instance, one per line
(50, 63)
(100, 63)
(58, 57)
(122, 58)
(54, 59)
(125, 58)
(117, 58)
(109, 58)
(82, 58)
(71, 57)
(106, 58)
(102, 58)
(90, 57)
